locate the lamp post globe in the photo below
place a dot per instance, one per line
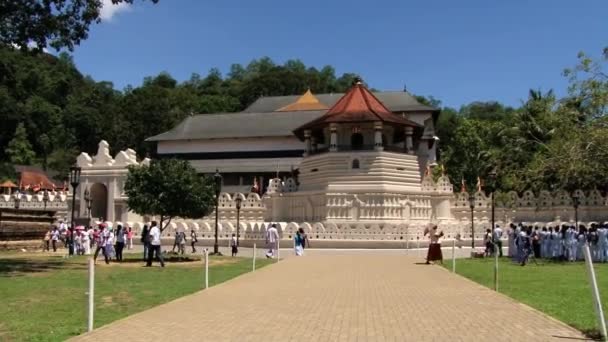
(217, 179)
(238, 201)
(74, 181)
(472, 206)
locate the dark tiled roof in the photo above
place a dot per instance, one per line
(357, 105)
(238, 125)
(396, 101)
(261, 119)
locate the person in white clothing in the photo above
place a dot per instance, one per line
(109, 243)
(272, 237)
(86, 242)
(155, 242)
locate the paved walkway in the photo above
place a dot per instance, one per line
(341, 298)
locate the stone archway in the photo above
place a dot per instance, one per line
(99, 204)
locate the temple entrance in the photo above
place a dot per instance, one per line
(99, 204)
(356, 141)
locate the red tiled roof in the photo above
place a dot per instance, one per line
(32, 179)
(8, 184)
(358, 105)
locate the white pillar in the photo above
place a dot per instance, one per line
(378, 136)
(409, 144)
(307, 148)
(333, 137)
(110, 205)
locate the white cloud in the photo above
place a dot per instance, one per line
(109, 10)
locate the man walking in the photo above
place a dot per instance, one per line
(155, 246)
(497, 240)
(193, 240)
(272, 237)
(145, 241)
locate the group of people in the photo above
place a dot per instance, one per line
(560, 243)
(85, 239)
(300, 242)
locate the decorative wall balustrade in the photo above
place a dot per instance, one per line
(57, 201)
(546, 207)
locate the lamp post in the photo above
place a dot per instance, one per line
(17, 197)
(89, 200)
(45, 198)
(238, 201)
(575, 203)
(472, 206)
(217, 178)
(74, 181)
(492, 177)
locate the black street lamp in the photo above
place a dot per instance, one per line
(89, 200)
(472, 206)
(45, 198)
(17, 197)
(492, 177)
(238, 201)
(217, 178)
(74, 181)
(575, 203)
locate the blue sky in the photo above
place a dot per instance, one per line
(457, 51)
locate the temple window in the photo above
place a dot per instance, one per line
(355, 164)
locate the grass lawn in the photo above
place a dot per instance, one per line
(44, 298)
(561, 290)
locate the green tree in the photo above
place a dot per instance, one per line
(19, 149)
(169, 188)
(55, 23)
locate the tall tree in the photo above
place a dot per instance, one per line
(169, 188)
(55, 23)
(19, 149)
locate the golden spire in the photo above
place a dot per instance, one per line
(305, 102)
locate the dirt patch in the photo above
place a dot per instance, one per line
(120, 298)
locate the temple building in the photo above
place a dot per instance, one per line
(261, 141)
(350, 169)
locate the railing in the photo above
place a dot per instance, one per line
(350, 148)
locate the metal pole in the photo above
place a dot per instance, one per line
(215, 245)
(254, 253)
(595, 291)
(206, 268)
(238, 226)
(71, 240)
(91, 293)
(454, 256)
(472, 229)
(495, 246)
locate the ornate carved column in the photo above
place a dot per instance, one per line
(313, 144)
(333, 137)
(409, 144)
(378, 136)
(307, 148)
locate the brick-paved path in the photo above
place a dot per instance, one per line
(340, 298)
